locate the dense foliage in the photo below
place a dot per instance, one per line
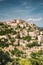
(4, 58)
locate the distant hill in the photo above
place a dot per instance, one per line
(40, 28)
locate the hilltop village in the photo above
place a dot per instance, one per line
(20, 38)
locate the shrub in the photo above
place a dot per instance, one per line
(24, 62)
(32, 44)
(16, 52)
(28, 38)
(4, 43)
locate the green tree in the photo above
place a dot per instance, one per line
(4, 58)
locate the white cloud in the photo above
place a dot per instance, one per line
(34, 19)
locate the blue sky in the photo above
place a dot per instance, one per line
(29, 10)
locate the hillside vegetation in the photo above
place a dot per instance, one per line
(21, 43)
